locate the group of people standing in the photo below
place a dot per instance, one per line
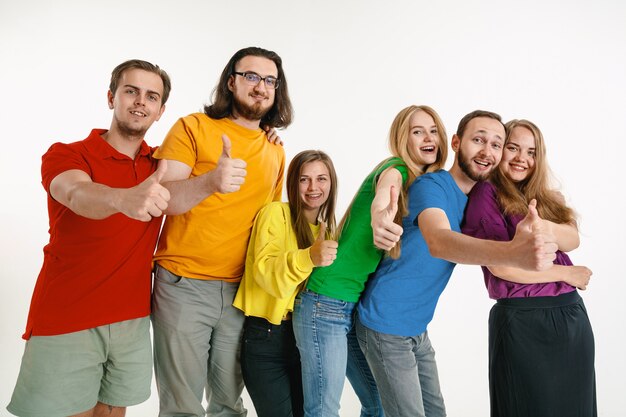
(277, 295)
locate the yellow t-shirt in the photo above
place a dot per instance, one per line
(275, 268)
(210, 240)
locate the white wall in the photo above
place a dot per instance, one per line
(351, 66)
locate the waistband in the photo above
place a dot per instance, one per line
(541, 302)
(261, 322)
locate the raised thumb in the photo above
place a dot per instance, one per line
(393, 200)
(226, 146)
(161, 170)
(322, 233)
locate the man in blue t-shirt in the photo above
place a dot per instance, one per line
(401, 295)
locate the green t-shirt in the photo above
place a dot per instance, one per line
(357, 257)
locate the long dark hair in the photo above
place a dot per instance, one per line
(327, 210)
(281, 113)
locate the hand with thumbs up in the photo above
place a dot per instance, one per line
(230, 173)
(323, 252)
(146, 200)
(532, 246)
(386, 232)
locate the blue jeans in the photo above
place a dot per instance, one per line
(323, 327)
(405, 372)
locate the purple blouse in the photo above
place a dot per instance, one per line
(484, 219)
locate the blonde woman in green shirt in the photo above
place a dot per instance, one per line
(288, 240)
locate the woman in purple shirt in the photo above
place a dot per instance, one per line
(541, 346)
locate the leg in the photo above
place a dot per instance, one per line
(182, 317)
(545, 353)
(225, 382)
(295, 372)
(429, 377)
(320, 326)
(103, 410)
(265, 367)
(361, 379)
(393, 364)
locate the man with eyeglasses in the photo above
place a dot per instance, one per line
(221, 170)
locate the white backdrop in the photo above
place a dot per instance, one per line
(351, 66)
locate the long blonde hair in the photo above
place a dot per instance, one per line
(399, 133)
(515, 196)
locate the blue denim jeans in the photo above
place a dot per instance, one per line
(405, 371)
(322, 326)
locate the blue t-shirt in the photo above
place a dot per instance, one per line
(401, 296)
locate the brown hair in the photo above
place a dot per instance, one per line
(515, 196)
(281, 113)
(460, 130)
(327, 210)
(142, 65)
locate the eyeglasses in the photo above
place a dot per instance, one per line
(253, 78)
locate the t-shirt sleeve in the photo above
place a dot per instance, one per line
(278, 193)
(483, 218)
(396, 163)
(59, 158)
(180, 142)
(428, 192)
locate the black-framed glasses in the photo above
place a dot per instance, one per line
(253, 78)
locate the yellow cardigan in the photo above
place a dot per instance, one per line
(275, 268)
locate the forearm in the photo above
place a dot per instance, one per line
(566, 234)
(91, 200)
(188, 193)
(556, 273)
(461, 249)
(281, 275)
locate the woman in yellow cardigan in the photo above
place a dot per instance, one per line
(288, 240)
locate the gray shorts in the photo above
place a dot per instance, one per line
(69, 373)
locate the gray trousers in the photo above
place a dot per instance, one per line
(197, 340)
(405, 372)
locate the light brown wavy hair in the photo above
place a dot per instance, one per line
(300, 224)
(515, 196)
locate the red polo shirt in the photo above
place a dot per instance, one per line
(95, 272)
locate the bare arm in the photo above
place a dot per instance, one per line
(566, 234)
(75, 190)
(227, 177)
(531, 248)
(384, 209)
(576, 276)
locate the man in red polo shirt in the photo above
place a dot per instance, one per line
(88, 347)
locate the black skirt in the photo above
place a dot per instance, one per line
(541, 358)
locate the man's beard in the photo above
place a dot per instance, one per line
(254, 112)
(126, 130)
(465, 165)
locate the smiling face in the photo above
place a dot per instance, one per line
(423, 138)
(518, 157)
(480, 149)
(252, 102)
(314, 189)
(137, 102)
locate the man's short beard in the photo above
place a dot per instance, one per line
(248, 112)
(129, 132)
(465, 165)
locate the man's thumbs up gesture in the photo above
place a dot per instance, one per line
(230, 173)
